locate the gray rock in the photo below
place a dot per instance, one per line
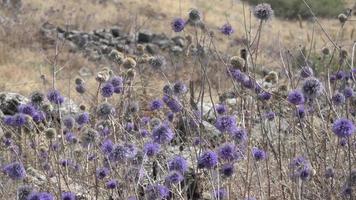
(179, 40)
(144, 37)
(176, 49)
(9, 102)
(116, 32)
(152, 49)
(161, 40)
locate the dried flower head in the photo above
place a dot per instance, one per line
(263, 11)
(312, 88)
(129, 63)
(237, 62)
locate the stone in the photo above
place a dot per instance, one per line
(152, 49)
(116, 32)
(179, 40)
(144, 37)
(9, 102)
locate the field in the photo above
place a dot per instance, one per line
(163, 99)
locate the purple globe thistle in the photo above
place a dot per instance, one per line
(270, 115)
(227, 29)
(107, 146)
(300, 112)
(116, 81)
(70, 137)
(179, 88)
(296, 97)
(258, 154)
(263, 11)
(178, 24)
(27, 109)
(68, 196)
(343, 128)
(8, 120)
(19, 120)
(338, 99)
(151, 149)
(15, 171)
(112, 184)
(118, 89)
(107, 90)
(144, 132)
(145, 120)
(174, 177)
(178, 163)
(332, 78)
(348, 92)
(157, 192)
(162, 134)
(69, 122)
(157, 62)
(340, 75)
(118, 153)
(227, 152)
(104, 110)
(101, 173)
(236, 74)
(173, 104)
(312, 88)
(239, 135)
(227, 170)
(220, 109)
(130, 151)
(306, 72)
(80, 88)
(225, 123)
(156, 104)
(23, 192)
(208, 160)
(170, 116)
(264, 96)
(129, 127)
(55, 97)
(300, 168)
(83, 118)
(39, 116)
(40, 196)
(248, 83)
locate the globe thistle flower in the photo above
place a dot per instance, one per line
(225, 123)
(144, 120)
(79, 81)
(118, 153)
(300, 168)
(162, 134)
(332, 78)
(27, 109)
(89, 136)
(208, 160)
(107, 90)
(70, 137)
(144, 132)
(263, 11)
(8, 120)
(343, 128)
(104, 110)
(107, 146)
(112, 184)
(248, 83)
(69, 122)
(194, 16)
(270, 115)
(68, 196)
(237, 63)
(237, 75)
(116, 56)
(220, 109)
(129, 63)
(39, 116)
(151, 149)
(116, 81)
(227, 152)
(132, 107)
(338, 99)
(227, 29)
(129, 127)
(37, 98)
(83, 118)
(264, 96)
(348, 92)
(174, 177)
(18, 120)
(170, 116)
(55, 97)
(296, 97)
(300, 112)
(178, 163)
(155, 122)
(239, 135)
(227, 170)
(81, 89)
(157, 62)
(258, 154)
(157, 192)
(130, 151)
(220, 194)
(173, 104)
(306, 72)
(340, 75)
(103, 172)
(179, 88)
(40, 196)
(156, 104)
(15, 171)
(167, 90)
(312, 88)
(178, 24)
(23, 192)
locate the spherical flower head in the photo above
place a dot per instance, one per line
(15, 171)
(101, 173)
(332, 78)
(157, 62)
(156, 104)
(129, 127)
(263, 11)
(194, 16)
(69, 122)
(112, 184)
(236, 74)
(104, 110)
(306, 72)
(144, 132)
(270, 115)
(221, 109)
(70, 137)
(227, 29)
(130, 151)
(55, 97)
(40, 196)
(173, 104)
(312, 88)
(258, 154)
(39, 116)
(300, 112)
(178, 163)
(118, 153)
(107, 146)
(225, 123)
(37, 98)
(23, 192)
(167, 90)
(248, 83)
(170, 116)
(27, 109)
(157, 192)
(179, 88)
(264, 96)
(208, 160)
(296, 97)
(83, 118)
(8, 120)
(162, 134)
(227, 152)
(151, 149)
(116, 81)
(178, 24)
(107, 90)
(239, 135)
(348, 92)
(19, 120)
(227, 170)
(343, 128)
(174, 177)
(68, 196)
(220, 194)
(338, 99)
(340, 75)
